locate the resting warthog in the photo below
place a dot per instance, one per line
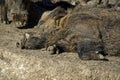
(16, 8)
(81, 34)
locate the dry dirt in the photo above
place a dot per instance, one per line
(17, 64)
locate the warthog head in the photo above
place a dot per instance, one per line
(19, 11)
(29, 41)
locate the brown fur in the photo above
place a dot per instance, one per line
(72, 32)
(77, 28)
(53, 17)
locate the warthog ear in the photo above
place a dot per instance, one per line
(27, 35)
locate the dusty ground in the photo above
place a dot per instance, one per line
(17, 64)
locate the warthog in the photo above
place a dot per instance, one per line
(81, 33)
(17, 8)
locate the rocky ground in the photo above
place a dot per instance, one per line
(17, 64)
